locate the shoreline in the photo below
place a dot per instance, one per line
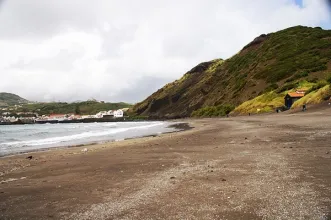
(76, 121)
(178, 126)
(87, 121)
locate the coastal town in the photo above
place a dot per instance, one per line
(33, 117)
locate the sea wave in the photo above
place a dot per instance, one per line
(39, 133)
(83, 135)
(113, 124)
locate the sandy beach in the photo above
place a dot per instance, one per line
(253, 167)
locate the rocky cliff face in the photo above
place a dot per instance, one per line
(268, 62)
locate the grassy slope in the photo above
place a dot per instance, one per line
(267, 102)
(263, 103)
(268, 63)
(313, 97)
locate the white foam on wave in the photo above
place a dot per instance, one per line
(84, 135)
(113, 124)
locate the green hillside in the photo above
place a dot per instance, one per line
(9, 99)
(85, 108)
(270, 65)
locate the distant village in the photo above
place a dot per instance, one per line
(32, 117)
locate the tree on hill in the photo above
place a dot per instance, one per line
(77, 110)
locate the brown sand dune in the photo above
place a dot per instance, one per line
(258, 167)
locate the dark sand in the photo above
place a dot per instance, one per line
(258, 167)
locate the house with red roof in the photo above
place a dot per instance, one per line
(291, 97)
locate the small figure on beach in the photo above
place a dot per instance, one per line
(304, 108)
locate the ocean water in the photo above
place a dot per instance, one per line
(24, 138)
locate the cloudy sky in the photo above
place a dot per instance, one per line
(123, 50)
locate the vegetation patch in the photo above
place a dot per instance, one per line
(286, 87)
(264, 103)
(217, 63)
(314, 97)
(308, 52)
(213, 111)
(271, 87)
(319, 84)
(298, 76)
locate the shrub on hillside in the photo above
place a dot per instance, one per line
(297, 76)
(328, 79)
(271, 87)
(313, 80)
(286, 87)
(318, 85)
(213, 111)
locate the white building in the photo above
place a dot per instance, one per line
(58, 117)
(110, 112)
(118, 113)
(101, 114)
(73, 117)
(10, 119)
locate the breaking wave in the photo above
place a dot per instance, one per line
(18, 138)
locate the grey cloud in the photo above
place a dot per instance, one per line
(114, 38)
(139, 89)
(328, 2)
(35, 19)
(63, 61)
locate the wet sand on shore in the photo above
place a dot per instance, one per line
(258, 167)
